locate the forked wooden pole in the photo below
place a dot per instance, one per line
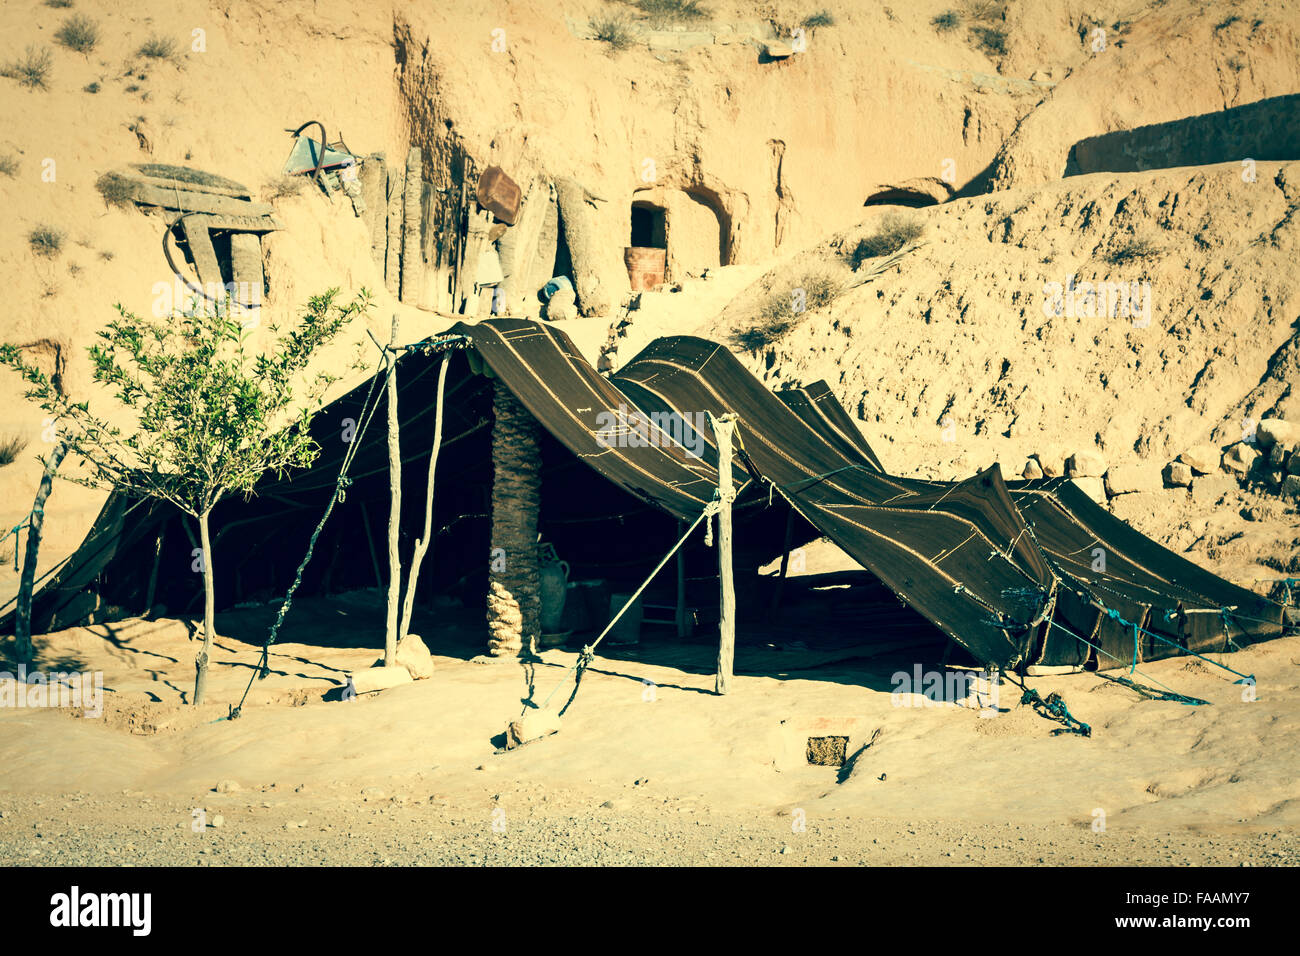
(422, 545)
(395, 509)
(722, 430)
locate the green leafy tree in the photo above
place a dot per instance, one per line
(210, 417)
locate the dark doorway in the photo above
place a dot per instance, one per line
(649, 226)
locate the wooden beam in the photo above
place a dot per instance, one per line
(234, 223)
(187, 200)
(412, 253)
(393, 251)
(723, 427)
(201, 251)
(137, 175)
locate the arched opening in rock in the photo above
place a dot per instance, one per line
(707, 216)
(690, 225)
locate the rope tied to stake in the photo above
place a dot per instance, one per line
(1053, 707)
(588, 653)
(263, 669)
(1116, 616)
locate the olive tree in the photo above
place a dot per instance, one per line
(203, 414)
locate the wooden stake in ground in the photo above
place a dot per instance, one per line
(395, 508)
(722, 430)
(683, 629)
(153, 575)
(23, 612)
(785, 564)
(422, 545)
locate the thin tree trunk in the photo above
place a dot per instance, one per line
(23, 612)
(395, 508)
(422, 545)
(514, 606)
(209, 611)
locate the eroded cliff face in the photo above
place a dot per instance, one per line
(739, 157)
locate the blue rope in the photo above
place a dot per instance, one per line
(1191, 701)
(1115, 615)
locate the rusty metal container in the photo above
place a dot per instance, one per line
(646, 266)
(499, 194)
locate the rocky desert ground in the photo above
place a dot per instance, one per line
(1058, 236)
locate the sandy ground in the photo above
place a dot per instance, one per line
(666, 775)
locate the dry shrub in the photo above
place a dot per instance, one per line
(780, 311)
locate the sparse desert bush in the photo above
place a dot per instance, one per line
(667, 12)
(92, 87)
(1225, 23)
(894, 233)
(946, 21)
(10, 448)
(783, 309)
(115, 190)
(822, 18)
(32, 69)
(1136, 248)
(284, 187)
(9, 165)
(615, 29)
(78, 33)
(158, 47)
(991, 40)
(45, 241)
(986, 11)
(59, 4)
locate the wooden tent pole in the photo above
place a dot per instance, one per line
(370, 543)
(153, 574)
(395, 509)
(785, 563)
(722, 430)
(422, 545)
(683, 630)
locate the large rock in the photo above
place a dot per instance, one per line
(1203, 459)
(1052, 461)
(1210, 489)
(561, 306)
(534, 724)
(415, 657)
(1178, 474)
(1093, 487)
(1270, 431)
(1032, 470)
(921, 191)
(1126, 479)
(1291, 487)
(1086, 463)
(380, 678)
(1239, 458)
